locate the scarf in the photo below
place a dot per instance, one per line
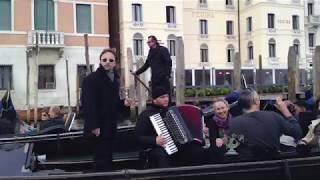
(222, 123)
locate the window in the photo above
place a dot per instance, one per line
(171, 14)
(138, 44)
(230, 53)
(311, 39)
(295, 22)
(188, 77)
(248, 75)
(224, 77)
(202, 77)
(296, 46)
(203, 27)
(281, 76)
(83, 13)
(172, 44)
(44, 15)
(229, 28)
(204, 53)
(272, 48)
(82, 70)
(137, 13)
(310, 9)
(250, 50)
(271, 21)
(5, 15)
(266, 77)
(229, 2)
(5, 77)
(249, 24)
(46, 77)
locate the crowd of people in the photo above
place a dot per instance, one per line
(265, 133)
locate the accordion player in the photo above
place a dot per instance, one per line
(182, 124)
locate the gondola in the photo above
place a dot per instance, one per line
(67, 155)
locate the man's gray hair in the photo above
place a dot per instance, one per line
(247, 98)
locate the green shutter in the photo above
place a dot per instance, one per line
(83, 18)
(44, 15)
(5, 15)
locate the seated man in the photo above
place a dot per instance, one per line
(188, 154)
(262, 129)
(55, 118)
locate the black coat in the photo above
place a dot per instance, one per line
(160, 62)
(101, 103)
(145, 131)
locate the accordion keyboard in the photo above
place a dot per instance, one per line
(161, 129)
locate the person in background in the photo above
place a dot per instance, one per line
(218, 125)
(54, 118)
(159, 60)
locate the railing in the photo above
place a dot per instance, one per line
(47, 39)
(203, 36)
(172, 25)
(313, 19)
(137, 23)
(203, 5)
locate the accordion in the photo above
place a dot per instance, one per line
(182, 124)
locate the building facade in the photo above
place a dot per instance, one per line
(56, 27)
(214, 30)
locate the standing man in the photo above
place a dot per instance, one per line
(101, 105)
(160, 62)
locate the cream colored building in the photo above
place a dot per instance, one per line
(211, 36)
(141, 18)
(312, 30)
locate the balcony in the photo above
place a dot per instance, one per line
(203, 5)
(229, 6)
(203, 36)
(230, 37)
(172, 25)
(313, 20)
(137, 23)
(46, 39)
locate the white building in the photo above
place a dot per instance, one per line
(211, 36)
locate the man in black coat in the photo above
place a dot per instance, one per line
(160, 62)
(188, 154)
(101, 105)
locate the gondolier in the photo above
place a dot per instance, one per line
(160, 62)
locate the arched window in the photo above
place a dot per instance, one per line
(138, 44)
(172, 44)
(250, 50)
(296, 46)
(230, 53)
(204, 53)
(272, 48)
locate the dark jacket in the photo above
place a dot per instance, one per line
(213, 135)
(101, 103)
(145, 132)
(262, 130)
(160, 62)
(58, 121)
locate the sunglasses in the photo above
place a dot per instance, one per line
(107, 60)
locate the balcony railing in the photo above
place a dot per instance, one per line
(137, 23)
(172, 25)
(230, 36)
(46, 39)
(313, 20)
(203, 5)
(203, 36)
